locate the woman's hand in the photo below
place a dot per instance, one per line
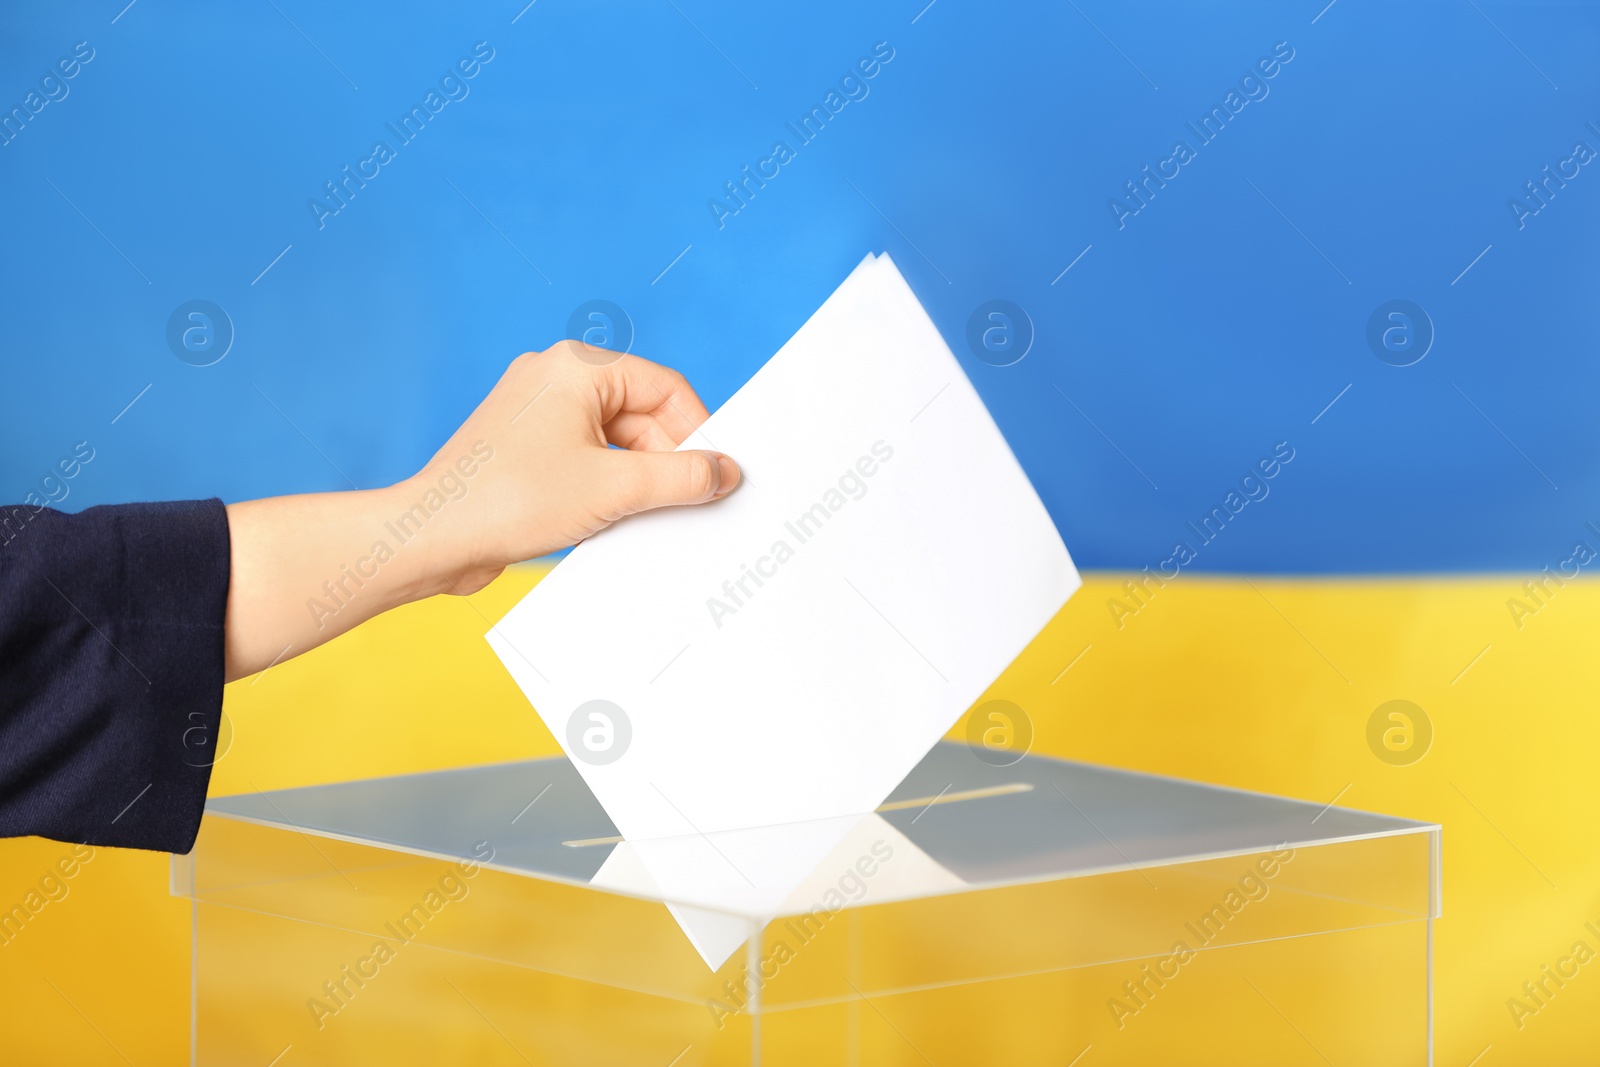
(528, 473)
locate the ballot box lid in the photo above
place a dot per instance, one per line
(964, 819)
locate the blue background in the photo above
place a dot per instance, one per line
(983, 159)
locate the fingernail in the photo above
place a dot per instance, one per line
(727, 476)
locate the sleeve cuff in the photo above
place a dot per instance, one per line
(114, 646)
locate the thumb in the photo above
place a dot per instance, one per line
(660, 479)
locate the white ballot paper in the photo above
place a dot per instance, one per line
(808, 870)
(740, 682)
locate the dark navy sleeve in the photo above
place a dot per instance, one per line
(111, 670)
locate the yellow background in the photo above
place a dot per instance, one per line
(1260, 683)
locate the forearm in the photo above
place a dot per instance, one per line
(307, 568)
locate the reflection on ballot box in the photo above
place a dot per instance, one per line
(1015, 915)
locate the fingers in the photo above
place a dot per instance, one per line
(634, 386)
(639, 432)
(641, 404)
(661, 479)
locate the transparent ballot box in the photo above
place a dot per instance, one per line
(1042, 913)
